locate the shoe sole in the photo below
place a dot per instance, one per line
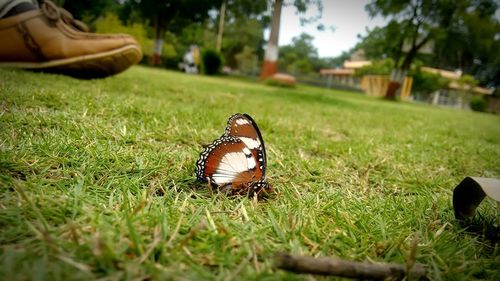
(88, 66)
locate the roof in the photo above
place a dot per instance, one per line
(356, 64)
(348, 70)
(454, 76)
(478, 90)
(444, 73)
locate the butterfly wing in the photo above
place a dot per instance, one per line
(228, 160)
(237, 159)
(244, 128)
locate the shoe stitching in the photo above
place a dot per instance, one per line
(51, 11)
(30, 42)
(54, 13)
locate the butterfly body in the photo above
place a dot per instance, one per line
(237, 160)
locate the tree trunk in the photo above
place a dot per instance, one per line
(270, 65)
(398, 74)
(222, 14)
(395, 81)
(158, 41)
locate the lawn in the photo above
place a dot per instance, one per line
(97, 180)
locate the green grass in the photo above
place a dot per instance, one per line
(97, 180)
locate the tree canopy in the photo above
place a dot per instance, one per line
(461, 34)
(455, 34)
(300, 57)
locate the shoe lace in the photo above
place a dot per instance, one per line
(54, 13)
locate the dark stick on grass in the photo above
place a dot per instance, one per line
(344, 268)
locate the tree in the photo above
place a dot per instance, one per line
(243, 28)
(414, 24)
(232, 11)
(270, 64)
(247, 61)
(89, 10)
(299, 56)
(377, 44)
(472, 43)
(171, 14)
(444, 23)
(240, 34)
(222, 15)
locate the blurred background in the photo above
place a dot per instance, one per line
(438, 52)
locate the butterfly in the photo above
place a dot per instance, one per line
(237, 160)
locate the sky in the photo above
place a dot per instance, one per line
(348, 17)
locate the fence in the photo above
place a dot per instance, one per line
(376, 85)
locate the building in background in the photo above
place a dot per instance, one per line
(456, 94)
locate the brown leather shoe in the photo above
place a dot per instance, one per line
(41, 40)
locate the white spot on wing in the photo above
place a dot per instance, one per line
(221, 179)
(251, 162)
(247, 151)
(242, 121)
(250, 143)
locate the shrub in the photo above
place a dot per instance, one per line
(426, 83)
(212, 62)
(278, 83)
(247, 61)
(478, 103)
(165, 61)
(110, 23)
